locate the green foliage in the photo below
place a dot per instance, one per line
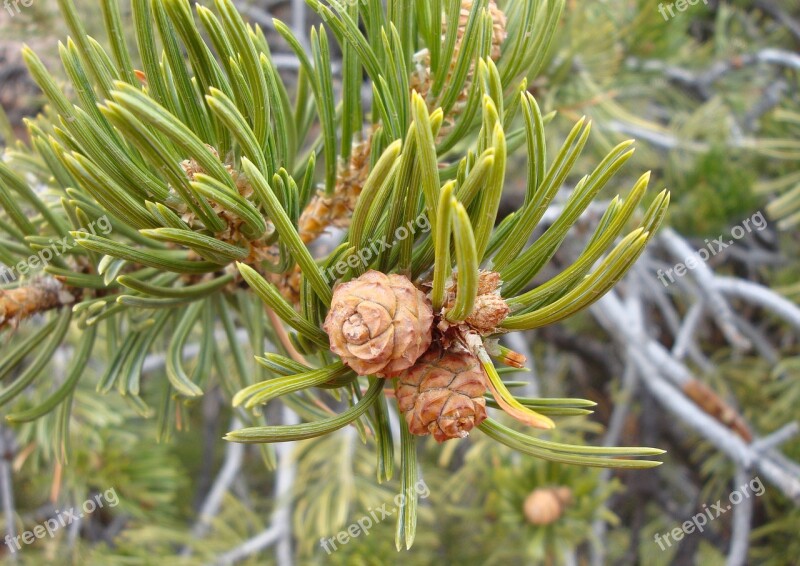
(782, 129)
(142, 156)
(720, 188)
(117, 143)
(204, 164)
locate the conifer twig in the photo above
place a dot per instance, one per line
(40, 296)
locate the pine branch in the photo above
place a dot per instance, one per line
(40, 296)
(191, 168)
(656, 373)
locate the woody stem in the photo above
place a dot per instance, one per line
(24, 302)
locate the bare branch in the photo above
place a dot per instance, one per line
(783, 434)
(284, 483)
(279, 533)
(719, 308)
(685, 335)
(657, 368)
(779, 15)
(742, 521)
(251, 546)
(760, 295)
(234, 454)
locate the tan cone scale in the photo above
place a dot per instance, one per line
(442, 394)
(379, 324)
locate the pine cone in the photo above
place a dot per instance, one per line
(443, 394)
(379, 324)
(545, 505)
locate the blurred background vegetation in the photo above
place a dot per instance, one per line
(712, 97)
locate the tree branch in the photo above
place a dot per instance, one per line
(40, 296)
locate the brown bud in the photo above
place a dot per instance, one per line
(490, 309)
(513, 359)
(379, 324)
(488, 282)
(443, 394)
(489, 312)
(545, 505)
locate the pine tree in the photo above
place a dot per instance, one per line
(177, 199)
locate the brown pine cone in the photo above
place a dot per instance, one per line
(443, 394)
(545, 505)
(379, 324)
